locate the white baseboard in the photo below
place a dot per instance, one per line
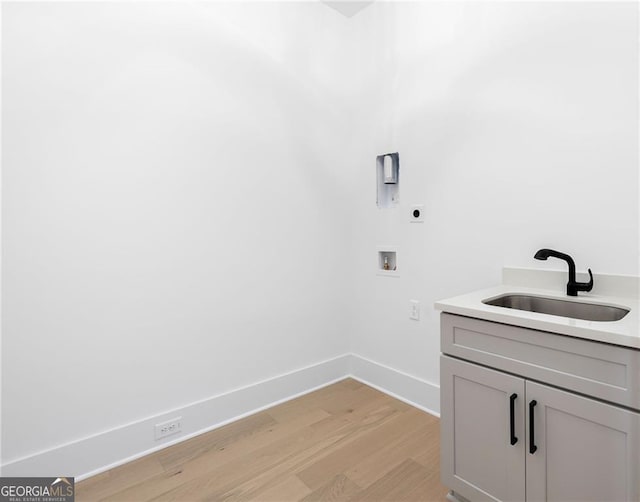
(108, 449)
(408, 388)
(97, 453)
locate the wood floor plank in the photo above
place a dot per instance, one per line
(217, 439)
(350, 453)
(344, 442)
(237, 480)
(328, 434)
(429, 455)
(430, 491)
(216, 460)
(338, 489)
(291, 488)
(118, 478)
(346, 403)
(389, 455)
(338, 399)
(351, 383)
(409, 482)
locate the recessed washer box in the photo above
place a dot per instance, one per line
(388, 261)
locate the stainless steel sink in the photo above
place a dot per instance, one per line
(563, 308)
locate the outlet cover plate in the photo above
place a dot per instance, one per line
(414, 310)
(168, 428)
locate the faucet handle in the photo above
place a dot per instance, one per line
(586, 286)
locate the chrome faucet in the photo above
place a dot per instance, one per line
(572, 286)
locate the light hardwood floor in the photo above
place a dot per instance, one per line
(343, 442)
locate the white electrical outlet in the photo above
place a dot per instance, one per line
(414, 310)
(168, 428)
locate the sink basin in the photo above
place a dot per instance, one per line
(563, 308)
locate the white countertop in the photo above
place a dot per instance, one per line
(625, 332)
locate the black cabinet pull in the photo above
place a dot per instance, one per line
(512, 418)
(532, 434)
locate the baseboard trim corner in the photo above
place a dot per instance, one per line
(92, 455)
(410, 389)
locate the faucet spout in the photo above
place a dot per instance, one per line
(573, 286)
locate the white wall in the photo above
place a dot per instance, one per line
(517, 128)
(189, 190)
(172, 208)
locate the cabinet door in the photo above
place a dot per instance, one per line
(478, 460)
(586, 450)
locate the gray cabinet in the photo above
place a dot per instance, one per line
(586, 450)
(508, 437)
(477, 457)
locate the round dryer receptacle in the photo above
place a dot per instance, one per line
(417, 213)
